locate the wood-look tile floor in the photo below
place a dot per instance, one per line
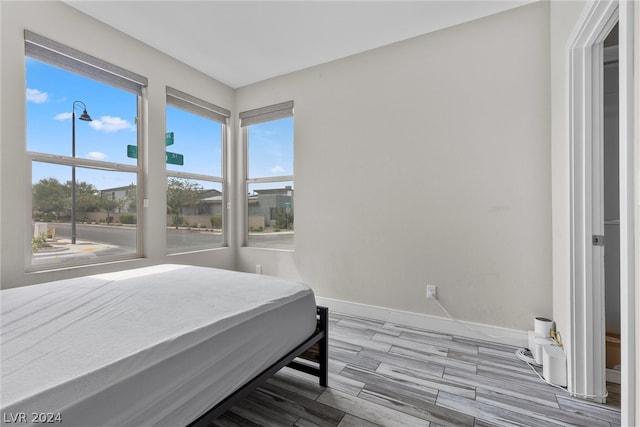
(384, 374)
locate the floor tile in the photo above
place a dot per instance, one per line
(386, 374)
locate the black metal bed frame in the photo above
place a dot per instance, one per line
(314, 349)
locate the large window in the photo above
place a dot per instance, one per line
(195, 141)
(82, 132)
(268, 136)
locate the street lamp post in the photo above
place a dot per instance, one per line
(84, 117)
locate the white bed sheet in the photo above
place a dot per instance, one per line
(150, 346)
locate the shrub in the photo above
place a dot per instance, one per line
(128, 218)
(283, 220)
(216, 221)
(38, 242)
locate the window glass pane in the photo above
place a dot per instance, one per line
(105, 220)
(194, 214)
(51, 94)
(197, 139)
(101, 203)
(271, 215)
(270, 148)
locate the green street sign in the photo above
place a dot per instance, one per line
(168, 138)
(132, 151)
(287, 204)
(175, 159)
(171, 158)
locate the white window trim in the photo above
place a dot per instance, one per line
(252, 117)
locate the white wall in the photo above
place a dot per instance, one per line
(427, 161)
(64, 24)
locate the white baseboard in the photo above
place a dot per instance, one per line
(438, 324)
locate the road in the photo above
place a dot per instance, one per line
(282, 240)
(123, 238)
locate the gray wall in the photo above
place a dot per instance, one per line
(447, 137)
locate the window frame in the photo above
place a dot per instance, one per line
(191, 104)
(45, 50)
(253, 117)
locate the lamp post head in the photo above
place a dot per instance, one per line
(85, 116)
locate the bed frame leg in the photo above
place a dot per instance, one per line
(322, 371)
(324, 347)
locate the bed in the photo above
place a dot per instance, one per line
(168, 345)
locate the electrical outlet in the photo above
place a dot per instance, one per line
(258, 269)
(431, 292)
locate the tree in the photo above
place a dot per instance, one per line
(284, 220)
(131, 198)
(87, 197)
(181, 193)
(110, 204)
(51, 196)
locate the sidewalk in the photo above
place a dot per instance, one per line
(59, 247)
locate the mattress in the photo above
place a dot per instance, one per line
(151, 346)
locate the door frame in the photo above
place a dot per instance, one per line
(587, 376)
(586, 358)
(629, 36)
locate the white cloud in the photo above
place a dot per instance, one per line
(37, 97)
(110, 124)
(62, 116)
(96, 155)
(277, 169)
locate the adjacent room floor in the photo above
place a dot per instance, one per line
(384, 374)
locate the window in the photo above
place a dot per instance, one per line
(268, 136)
(82, 126)
(195, 140)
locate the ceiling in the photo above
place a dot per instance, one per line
(243, 42)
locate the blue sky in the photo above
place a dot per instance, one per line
(52, 91)
(271, 148)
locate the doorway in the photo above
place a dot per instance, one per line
(586, 349)
(586, 354)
